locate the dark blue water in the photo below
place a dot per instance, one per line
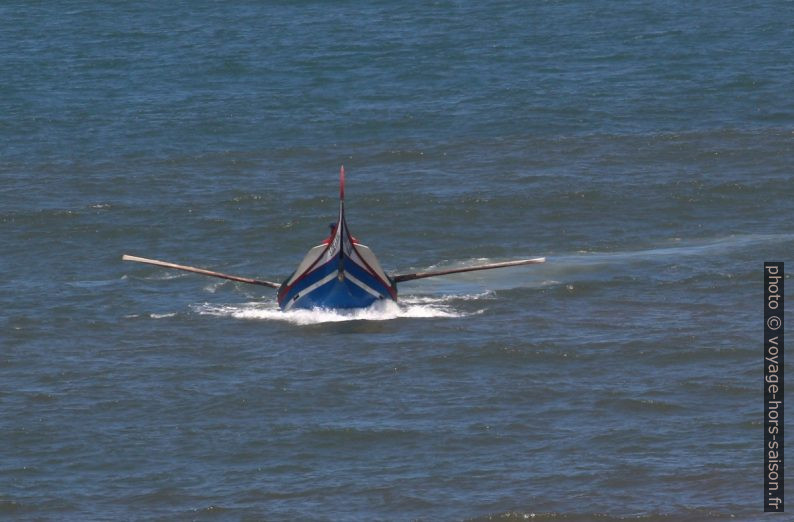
(644, 148)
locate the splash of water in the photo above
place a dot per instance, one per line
(379, 311)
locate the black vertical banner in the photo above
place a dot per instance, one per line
(773, 387)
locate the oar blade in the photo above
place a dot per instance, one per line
(490, 266)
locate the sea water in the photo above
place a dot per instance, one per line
(644, 148)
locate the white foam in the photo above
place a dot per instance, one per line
(165, 276)
(428, 299)
(213, 286)
(379, 311)
(162, 316)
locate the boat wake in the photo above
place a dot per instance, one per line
(408, 307)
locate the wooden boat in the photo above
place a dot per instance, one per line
(338, 273)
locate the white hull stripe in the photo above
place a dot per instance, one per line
(310, 289)
(363, 285)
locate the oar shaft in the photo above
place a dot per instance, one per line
(420, 275)
(201, 271)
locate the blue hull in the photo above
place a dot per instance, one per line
(333, 286)
(336, 294)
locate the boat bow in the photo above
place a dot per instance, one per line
(340, 273)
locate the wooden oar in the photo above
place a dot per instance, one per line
(201, 271)
(420, 275)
